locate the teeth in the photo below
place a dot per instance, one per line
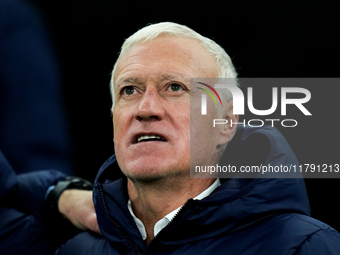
(146, 137)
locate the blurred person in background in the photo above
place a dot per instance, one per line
(33, 126)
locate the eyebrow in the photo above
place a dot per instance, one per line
(163, 77)
(129, 80)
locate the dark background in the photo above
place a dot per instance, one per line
(264, 38)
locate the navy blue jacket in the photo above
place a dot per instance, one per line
(24, 229)
(242, 216)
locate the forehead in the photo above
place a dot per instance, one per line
(166, 54)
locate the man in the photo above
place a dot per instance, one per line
(156, 208)
(154, 100)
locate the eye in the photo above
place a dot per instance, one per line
(129, 90)
(175, 87)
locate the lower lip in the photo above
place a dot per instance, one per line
(150, 143)
(149, 148)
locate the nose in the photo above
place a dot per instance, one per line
(150, 106)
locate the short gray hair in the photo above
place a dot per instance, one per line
(150, 32)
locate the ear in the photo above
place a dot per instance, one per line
(227, 131)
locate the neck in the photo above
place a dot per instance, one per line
(152, 201)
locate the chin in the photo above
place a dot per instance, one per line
(154, 174)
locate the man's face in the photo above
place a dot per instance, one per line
(151, 116)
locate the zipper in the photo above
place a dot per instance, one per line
(123, 231)
(154, 240)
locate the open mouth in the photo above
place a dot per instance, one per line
(148, 138)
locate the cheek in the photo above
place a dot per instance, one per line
(202, 133)
(120, 115)
(183, 121)
(116, 129)
(119, 128)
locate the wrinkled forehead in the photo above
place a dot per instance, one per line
(172, 51)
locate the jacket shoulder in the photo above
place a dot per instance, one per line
(306, 234)
(322, 239)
